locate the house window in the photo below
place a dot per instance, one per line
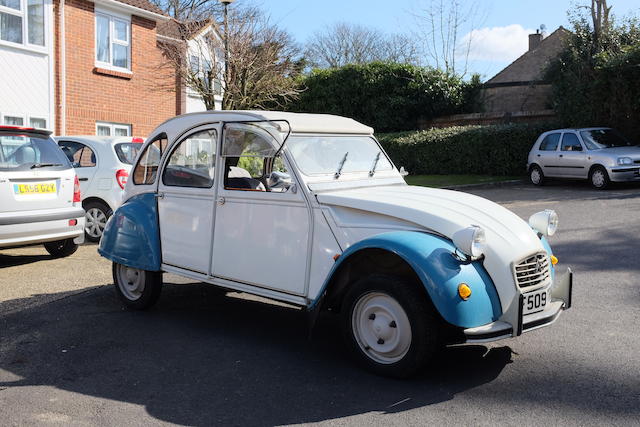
(112, 129)
(19, 27)
(37, 123)
(13, 121)
(112, 41)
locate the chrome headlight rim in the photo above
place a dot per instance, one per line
(470, 241)
(545, 222)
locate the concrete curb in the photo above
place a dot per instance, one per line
(486, 184)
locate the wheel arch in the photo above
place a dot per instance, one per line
(595, 166)
(425, 260)
(95, 199)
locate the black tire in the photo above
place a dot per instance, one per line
(536, 176)
(61, 248)
(140, 295)
(599, 178)
(96, 216)
(422, 320)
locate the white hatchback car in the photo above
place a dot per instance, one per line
(39, 193)
(103, 165)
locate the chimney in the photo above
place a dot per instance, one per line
(535, 40)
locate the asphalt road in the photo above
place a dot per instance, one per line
(69, 354)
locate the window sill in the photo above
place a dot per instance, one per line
(127, 75)
(42, 50)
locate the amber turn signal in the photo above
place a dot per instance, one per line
(464, 291)
(554, 260)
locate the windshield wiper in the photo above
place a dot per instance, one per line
(375, 163)
(341, 165)
(44, 165)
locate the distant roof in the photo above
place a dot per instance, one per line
(143, 8)
(143, 4)
(299, 122)
(182, 30)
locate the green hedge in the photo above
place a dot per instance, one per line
(387, 96)
(483, 150)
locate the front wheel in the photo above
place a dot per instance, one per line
(137, 289)
(96, 216)
(390, 326)
(61, 248)
(599, 178)
(536, 176)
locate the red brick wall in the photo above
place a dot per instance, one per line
(143, 99)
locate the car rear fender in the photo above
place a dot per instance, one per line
(132, 235)
(431, 258)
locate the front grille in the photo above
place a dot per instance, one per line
(636, 161)
(532, 271)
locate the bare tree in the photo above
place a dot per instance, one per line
(343, 43)
(441, 27)
(188, 10)
(262, 64)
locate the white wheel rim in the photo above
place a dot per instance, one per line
(597, 178)
(95, 222)
(535, 176)
(381, 327)
(130, 281)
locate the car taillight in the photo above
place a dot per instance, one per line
(76, 190)
(122, 176)
(137, 140)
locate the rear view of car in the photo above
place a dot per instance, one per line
(39, 193)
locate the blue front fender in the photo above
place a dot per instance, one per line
(132, 237)
(431, 258)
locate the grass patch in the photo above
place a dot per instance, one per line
(449, 180)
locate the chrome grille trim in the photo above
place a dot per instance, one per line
(532, 271)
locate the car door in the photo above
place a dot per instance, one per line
(262, 228)
(546, 155)
(572, 157)
(186, 200)
(84, 161)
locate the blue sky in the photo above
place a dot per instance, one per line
(503, 28)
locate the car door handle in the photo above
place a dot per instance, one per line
(538, 155)
(160, 195)
(83, 179)
(221, 201)
(560, 155)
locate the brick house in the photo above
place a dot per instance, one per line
(86, 67)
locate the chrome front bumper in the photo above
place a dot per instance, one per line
(513, 323)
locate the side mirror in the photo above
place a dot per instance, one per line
(279, 180)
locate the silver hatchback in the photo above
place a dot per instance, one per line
(601, 155)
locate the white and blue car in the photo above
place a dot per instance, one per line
(309, 210)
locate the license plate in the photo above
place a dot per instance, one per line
(536, 301)
(41, 188)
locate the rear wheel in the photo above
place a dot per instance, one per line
(96, 216)
(536, 176)
(61, 248)
(389, 326)
(599, 178)
(137, 289)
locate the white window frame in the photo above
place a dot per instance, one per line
(112, 128)
(112, 17)
(26, 119)
(22, 13)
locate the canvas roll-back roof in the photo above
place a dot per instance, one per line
(299, 122)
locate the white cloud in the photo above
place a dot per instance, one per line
(498, 43)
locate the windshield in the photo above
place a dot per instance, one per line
(128, 151)
(604, 138)
(30, 151)
(320, 155)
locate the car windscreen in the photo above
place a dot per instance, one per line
(19, 151)
(320, 155)
(127, 151)
(604, 138)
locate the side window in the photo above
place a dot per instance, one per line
(192, 161)
(78, 154)
(570, 142)
(250, 161)
(550, 142)
(147, 167)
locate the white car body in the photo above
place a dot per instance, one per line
(292, 245)
(102, 174)
(36, 203)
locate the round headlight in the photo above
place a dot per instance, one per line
(545, 222)
(470, 240)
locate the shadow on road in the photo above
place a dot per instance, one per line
(15, 260)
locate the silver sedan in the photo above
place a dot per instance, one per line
(601, 155)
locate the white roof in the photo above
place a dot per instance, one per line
(299, 122)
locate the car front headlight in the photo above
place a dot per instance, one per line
(545, 222)
(470, 240)
(625, 161)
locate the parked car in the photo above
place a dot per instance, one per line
(39, 193)
(103, 165)
(308, 209)
(601, 155)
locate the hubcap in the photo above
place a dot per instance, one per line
(96, 220)
(381, 327)
(597, 178)
(130, 281)
(535, 176)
